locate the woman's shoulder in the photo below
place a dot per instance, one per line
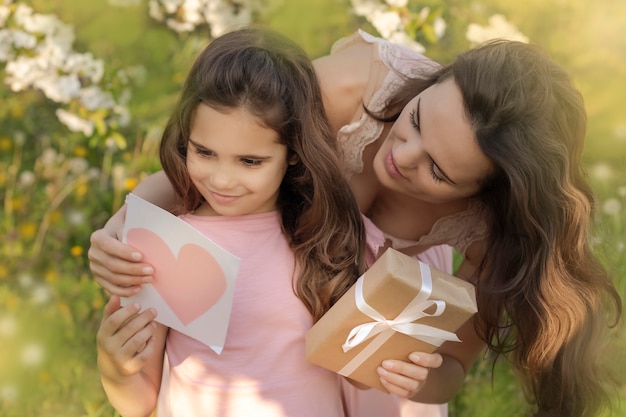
(344, 76)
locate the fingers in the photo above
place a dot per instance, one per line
(116, 266)
(125, 335)
(406, 378)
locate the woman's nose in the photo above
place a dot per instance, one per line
(408, 153)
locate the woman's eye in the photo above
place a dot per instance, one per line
(413, 121)
(431, 168)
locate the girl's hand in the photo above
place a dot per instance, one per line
(405, 379)
(125, 338)
(116, 266)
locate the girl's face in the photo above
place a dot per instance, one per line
(236, 163)
(431, 152)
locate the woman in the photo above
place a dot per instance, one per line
(482, 155)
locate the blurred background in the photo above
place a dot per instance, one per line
(86, 87)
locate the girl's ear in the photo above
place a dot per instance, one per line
(293, 159)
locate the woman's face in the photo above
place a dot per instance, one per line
(431, 152)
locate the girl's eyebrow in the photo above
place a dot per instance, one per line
(418, 122)
(197, 145)
(256, 157)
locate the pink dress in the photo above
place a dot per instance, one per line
(262, 370)
(458, 230)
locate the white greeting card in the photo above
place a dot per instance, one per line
(194, 279)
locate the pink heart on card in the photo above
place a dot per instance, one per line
(190, 284)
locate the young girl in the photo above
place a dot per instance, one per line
(250, 154)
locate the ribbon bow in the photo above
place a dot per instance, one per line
(404, 322)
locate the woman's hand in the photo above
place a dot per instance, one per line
(125, 338)
(116, 266)
(405, 379)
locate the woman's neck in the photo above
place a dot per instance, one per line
(408, 218)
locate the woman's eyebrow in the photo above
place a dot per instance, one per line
(417, 114)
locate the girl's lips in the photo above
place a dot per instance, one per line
(392, 169)
(223, 199)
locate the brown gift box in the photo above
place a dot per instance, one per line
(391, 283)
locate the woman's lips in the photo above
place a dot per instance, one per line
(392, 169)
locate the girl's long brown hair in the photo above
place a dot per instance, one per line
(543, 297)
(272, 78)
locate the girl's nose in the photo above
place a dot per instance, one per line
(222, 178)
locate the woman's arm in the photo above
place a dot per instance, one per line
(116, 266)
(437, 377)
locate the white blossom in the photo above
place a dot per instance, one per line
(602, 171)
(27, 178)
(498, 28)
(78, 165)
(387, 23)
(8, 326)
(76, 217)
(48, 157)
(25, 280)
(6, 47)
(620, 131)
(439, 26)
(124, 3)
(94, 98)
(39, 55)
(8, 392)
(155, 11)
(75, 123)
(33, 354)
(367, 8)
(23, 39)
(40, 294)
(5, 12)
(612, 207)
(402, 38)
(397, 3)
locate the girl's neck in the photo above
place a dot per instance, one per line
(205, 210)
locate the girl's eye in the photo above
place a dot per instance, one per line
(413, 121)
(251, 162)
(205, 153)
(431, 168)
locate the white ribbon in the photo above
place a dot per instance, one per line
(404, 322)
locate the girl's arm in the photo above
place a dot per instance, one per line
(116, 266)
(131, 349)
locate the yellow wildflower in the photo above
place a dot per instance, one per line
(130, 183)
(76, 251)
(27, 230)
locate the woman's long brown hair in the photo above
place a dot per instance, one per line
(273, 79)
(544, 299)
